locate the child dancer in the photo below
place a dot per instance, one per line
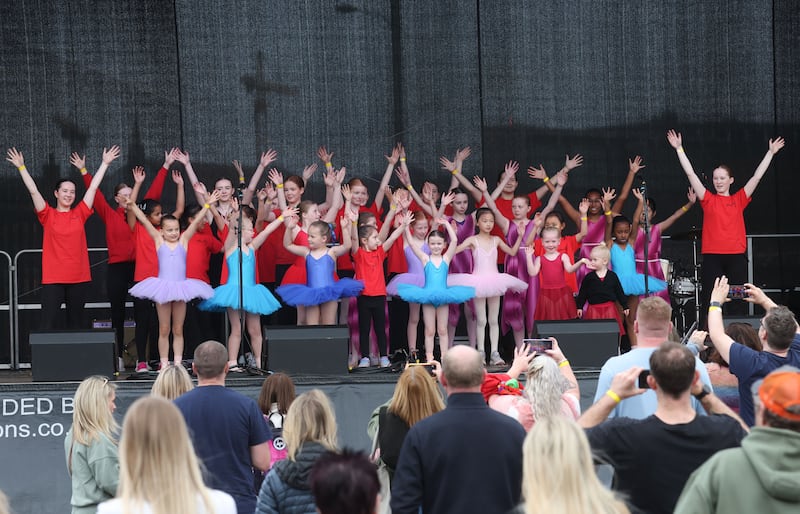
(601, 289)
(623, 263)
(555, 296)
(368, 257)
(464, 225)
(170, 290)
(321, 295)
(435, 295)
(489, 284)
(570, 244)
(256, 298)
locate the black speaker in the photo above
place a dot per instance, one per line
(317, 350)
(754, 321)
(71, 355)
(586, 343)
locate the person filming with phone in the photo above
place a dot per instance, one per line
(653, 457)
(778, 334)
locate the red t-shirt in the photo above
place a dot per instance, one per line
(369, 269)
(282, 255)
(65, 254)
(146, 258)
(199, 251)
(265, 256)
(344, 262)
(568, 245)
(396, 258)
(723, 222)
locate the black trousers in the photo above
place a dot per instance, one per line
(733, 266)
(144, 313)
(118, 281)
(73, 296)
(371, 310)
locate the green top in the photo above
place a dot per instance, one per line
(95, 472)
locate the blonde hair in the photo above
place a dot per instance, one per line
(157, 461)
(310, 419)
(91, 416)
(558, 473)
(416, 396)
(654, 314)
(544, 387)
(601, 251)
(172, 382)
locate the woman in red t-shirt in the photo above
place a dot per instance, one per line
(724, 239)
(65, 255)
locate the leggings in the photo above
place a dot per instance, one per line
(72, 295)
(733, 266)
(372, 309)
(118, 281)
(144, 313)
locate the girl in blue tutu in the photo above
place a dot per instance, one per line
(256, 298)
(170, 290)
(321, 294)
(435, 296)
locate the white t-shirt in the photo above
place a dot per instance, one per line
(223, 504)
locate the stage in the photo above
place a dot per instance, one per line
(35, 417)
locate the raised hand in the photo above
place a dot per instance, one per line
(308, 171)
(200, 189)
(341, 174)
(182, 157)
(213, 197)
(427, 193)
(109, 154)
(637, 193)
(463, 153)
(635, 165)
(447, 164)
(387, 192)
(324, 155)
(395, 155)
(408, 219)
(15, 157)
(776, 145)
(403, 199)
(583, 207)
(402, 176)
(561, 178)
(275, 177)
(138, 174)
(350, 217)
(511, 168)
(574, 162)
(674, 138)
(329, 177)
(238, 167)
(268, 157)
(77, 160)
(691, 195)
(402, 150)
(448, 198)
(537, 173)
(177, 177)
(290, 212)
(609, 193)
(171, 156)
(480, 183)
(346, 193)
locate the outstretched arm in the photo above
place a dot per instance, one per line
(664, 225)
(406, 222)
(501, 221)
(623, 385)
(633, 168)
(637, 214)
(561, 180)
(451, 232)
(180, 195)
(716, 327)
(456, 170)
(387, 174)
(198, 219)
(416, 248)
(676, 141)
(138, 179)
(108, 157)
(608, 195)
(583, 207)
(774, 147)
(134, 210)
(349, 223)
(16, 158)
(534, 263)
(277, 178)
(510, 170)
(183, 157)
(267, 158)
(269, 229)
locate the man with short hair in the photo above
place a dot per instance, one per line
(778, 335)
(466, 458)
(764, 474)
(228, 430)
(653, 457)
(653, 326)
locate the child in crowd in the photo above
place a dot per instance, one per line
(555, 296)
(601, 290)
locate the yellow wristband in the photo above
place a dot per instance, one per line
(546, 179)
(608, 213)
(279, 186)
(402, 159)
(241, 180)
(614, 396)
(84, 171)
(714, 308)
(328, 165)
(410, 187)
(584, 218)
(681, 150)
(563, 363)
(684, 208)
(392, 207)
(21, 168)
(455, 171)
(280, 218)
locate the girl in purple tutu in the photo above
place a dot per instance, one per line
(170, 290)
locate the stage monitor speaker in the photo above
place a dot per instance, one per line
(71, 355)
(754, 321)
(586, 343)
(312, 350)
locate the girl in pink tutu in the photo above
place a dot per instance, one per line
(170, 290)
(555, 296)
(489, 284)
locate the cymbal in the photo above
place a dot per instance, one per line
(693, 233)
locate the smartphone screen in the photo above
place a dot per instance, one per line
(643, 379)
(538, 345)
(737, 292)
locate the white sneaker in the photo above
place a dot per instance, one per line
(496, 360)
(385, 362)
(364, 362)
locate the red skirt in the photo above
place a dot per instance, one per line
(605, 310)
(555, 304)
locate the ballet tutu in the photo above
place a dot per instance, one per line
(257, 299)
(634, 284)
(487, 286)
(165, 291)
(605, 310)
(415, 279)
(555, 304)
(300, 294)
(435, 296)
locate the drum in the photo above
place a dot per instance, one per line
(683, 287)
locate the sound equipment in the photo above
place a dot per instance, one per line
(71, 355)
(314, 350)
(586, 343)
(754, 321)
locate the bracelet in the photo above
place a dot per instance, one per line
(614, 396)
(328, 165)
(410, 187)
(206, 206)
(684, 209)
(21, 168)
(563, 363)
(84, 171)
(546, 179)
(392, 207)
(402, 159)
(455, 171)
(681, 150)
(608, 213)
(584, 218)
(714, 304)
(279, 186)
(714, 308)
(280, 218)
(241, 180)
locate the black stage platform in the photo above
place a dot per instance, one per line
(35, 417)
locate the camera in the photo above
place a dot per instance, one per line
(737, 292)
(538, 345)
(427, 366)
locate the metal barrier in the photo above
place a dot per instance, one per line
(10, 310)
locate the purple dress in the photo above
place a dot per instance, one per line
(415, 274)
(171, 284)
(654, 268)
(519, 306)
(461, 262)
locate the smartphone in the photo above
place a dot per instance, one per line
(643, 379)
(737, 292)
(427, 366)
(538, 345)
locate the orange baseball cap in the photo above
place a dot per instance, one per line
(780, 394)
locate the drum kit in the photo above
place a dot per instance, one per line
(684, 287)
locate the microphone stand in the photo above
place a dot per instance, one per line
(240, 198)
(646, 240)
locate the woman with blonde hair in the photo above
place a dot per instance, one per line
(558, 473)
(172, 382)
(159, 472)
(309, 431)
(91, 447)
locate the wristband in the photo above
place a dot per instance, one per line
(563, 363)
(279, 186)
(402, 159)
(206, 206)
(455, 171)
(614, 396)
(328, 165)
(681, 150)
(241, 180)
(21, 168)
(280, 218)
(546, 179)
(410, 187)
(714, 308)
(684, 209)
(608, 213)
(392, 207)
(84, 171)
(714, 304)
(584, 218)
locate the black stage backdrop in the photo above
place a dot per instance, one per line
(519, 80)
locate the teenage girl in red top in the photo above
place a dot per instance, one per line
(65, 254)
(724, 242)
